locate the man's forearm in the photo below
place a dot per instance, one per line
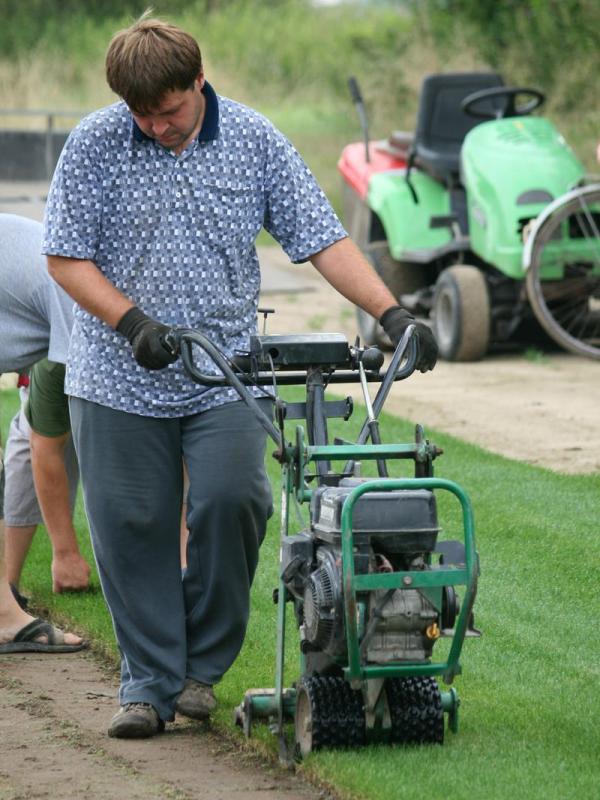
(84, 282)
(70, 571)
(346, 269)
(52, 489)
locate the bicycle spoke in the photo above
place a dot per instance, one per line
(563, 282)
(592, 223)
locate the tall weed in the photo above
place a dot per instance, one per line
(292, 60)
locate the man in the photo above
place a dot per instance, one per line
(35, 320)
(151, 222)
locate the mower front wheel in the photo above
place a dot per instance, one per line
(329, 713)
(461, 313)
(416, 710)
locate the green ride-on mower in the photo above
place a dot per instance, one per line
(443, 215)
(373, 584)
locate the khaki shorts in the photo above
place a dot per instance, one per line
(1, 484)
(21, 508)
(48, 408)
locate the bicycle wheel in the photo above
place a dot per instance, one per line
(562, 258)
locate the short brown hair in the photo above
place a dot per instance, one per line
(150, 58)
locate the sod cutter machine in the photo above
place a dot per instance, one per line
(372, 585)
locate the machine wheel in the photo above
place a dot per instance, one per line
(370, 331)
(328, 714)
(357, 216)
(416, 710)
(567, 305)
(400, 277)
(461, 313)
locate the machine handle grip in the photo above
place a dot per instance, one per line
(372, 359)
(354, 90)
(180, 340)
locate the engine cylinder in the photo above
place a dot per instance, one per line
(401, 631)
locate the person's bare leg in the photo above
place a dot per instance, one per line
(12, 616)
(17, 543)
(70, 571)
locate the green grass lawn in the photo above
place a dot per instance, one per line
(529, 719)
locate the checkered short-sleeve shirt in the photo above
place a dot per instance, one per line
(176, 235)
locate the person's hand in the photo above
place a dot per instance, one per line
(70, 573)
(145, 336)
(396, 320)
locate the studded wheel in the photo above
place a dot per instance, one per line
(328, 714)
(415, 710)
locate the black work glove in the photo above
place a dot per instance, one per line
(396, 320)
(145, 334)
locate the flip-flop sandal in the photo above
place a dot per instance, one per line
(20, 598)
(24, 641)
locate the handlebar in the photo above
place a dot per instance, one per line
(364, 361)
(242, 371)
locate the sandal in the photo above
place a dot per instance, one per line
(20, 598)
(25, 640)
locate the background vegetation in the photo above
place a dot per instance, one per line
(291, 59)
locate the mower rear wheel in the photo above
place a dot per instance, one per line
(370, 331)
(416, 710)
(328, 714)
(400, 277)
(563, 278)
(461, 313)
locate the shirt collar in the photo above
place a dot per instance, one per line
(210, 123)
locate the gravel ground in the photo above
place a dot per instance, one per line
(542, 409)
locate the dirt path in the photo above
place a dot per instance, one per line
(544, 410)
(53, 718)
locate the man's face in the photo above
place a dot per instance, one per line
(177, 118)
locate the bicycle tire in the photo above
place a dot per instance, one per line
(562, 258)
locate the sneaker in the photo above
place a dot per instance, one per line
(136, 721)
(196, 701)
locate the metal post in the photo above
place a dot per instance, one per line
(49, 145)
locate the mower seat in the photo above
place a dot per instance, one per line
(441, 123)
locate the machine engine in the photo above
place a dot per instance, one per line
(393, 531)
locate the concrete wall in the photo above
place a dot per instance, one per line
(29, 155)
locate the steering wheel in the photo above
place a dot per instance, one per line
(474, 103)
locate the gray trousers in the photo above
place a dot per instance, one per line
(169, 628)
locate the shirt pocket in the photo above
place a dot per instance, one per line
(227, 211)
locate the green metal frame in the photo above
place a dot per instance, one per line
(297, 459)
(447, 576)
(279, 704)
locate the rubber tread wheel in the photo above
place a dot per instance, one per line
(370, 331)
(569, 309)
(329, 713)
(399, 277)
(416, 710)
(461, 313)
